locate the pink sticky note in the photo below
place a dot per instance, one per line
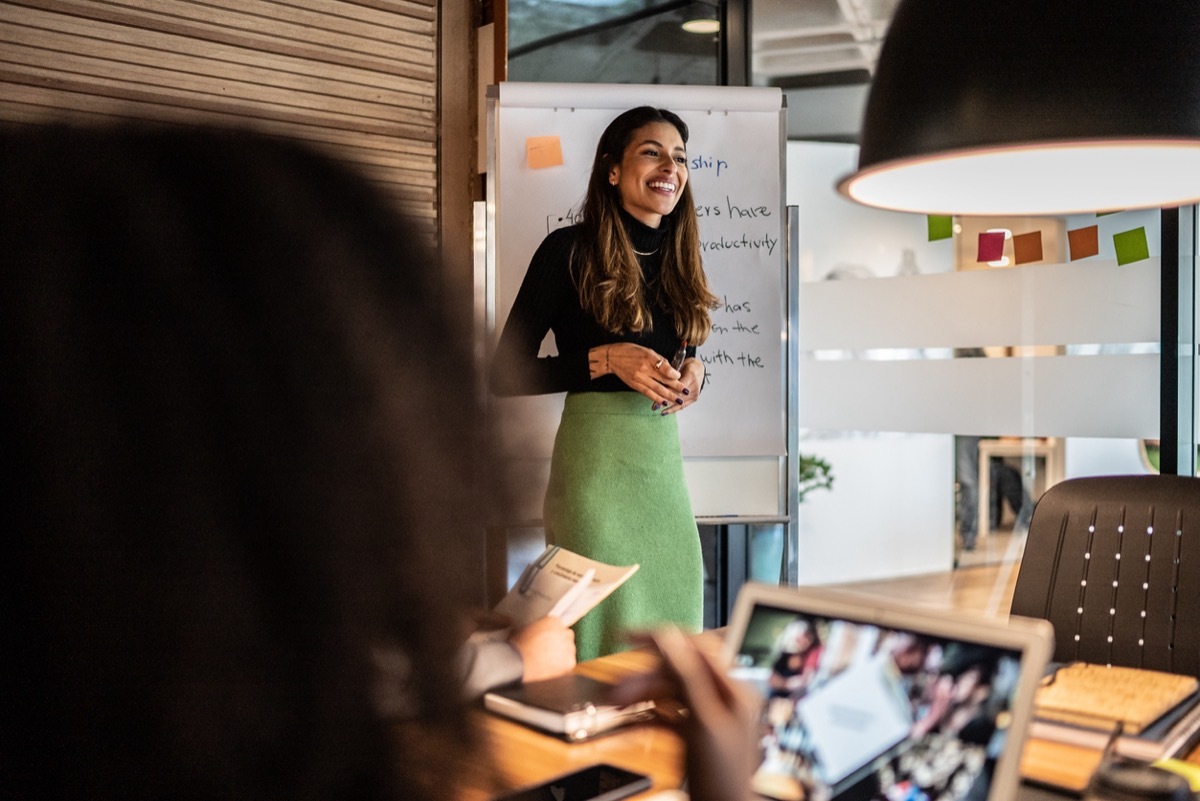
(543, 151)
(991, 246)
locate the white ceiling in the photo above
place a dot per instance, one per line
(802, 41)
(823, 54)
(820, 52)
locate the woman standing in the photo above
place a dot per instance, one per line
(626, 296)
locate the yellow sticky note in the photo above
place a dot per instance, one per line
(543, 151)
(1187, 770)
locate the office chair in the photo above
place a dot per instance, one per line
(1113, 562)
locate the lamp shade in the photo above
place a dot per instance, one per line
(1027, 107)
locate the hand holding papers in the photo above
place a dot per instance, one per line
(568, 600)
(563, 584)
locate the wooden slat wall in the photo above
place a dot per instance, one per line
(357, 77)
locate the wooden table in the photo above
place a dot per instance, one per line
(521, 756)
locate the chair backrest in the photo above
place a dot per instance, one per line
(1113, 562)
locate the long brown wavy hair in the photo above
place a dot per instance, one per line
(606, 268)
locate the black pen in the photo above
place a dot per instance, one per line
(533, 568)
(680, 355)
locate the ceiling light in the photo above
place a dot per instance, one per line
(702, 26)
(1033, 108)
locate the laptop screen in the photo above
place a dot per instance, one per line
(888, 706)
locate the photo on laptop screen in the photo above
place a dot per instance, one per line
(893, 704)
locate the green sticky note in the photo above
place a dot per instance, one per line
(941, 226)
(1131, 246)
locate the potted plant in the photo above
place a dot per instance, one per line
(815, 474)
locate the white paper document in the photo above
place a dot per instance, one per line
(562, 583)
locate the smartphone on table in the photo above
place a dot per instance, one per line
(594, 783)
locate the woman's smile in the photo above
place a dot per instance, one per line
(652, 173)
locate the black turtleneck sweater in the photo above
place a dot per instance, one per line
(549, 301)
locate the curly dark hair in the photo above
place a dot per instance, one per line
(240, 425)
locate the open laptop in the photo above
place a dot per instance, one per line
(863, 699)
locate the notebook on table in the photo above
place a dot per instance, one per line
(572, 706)
(865, 701)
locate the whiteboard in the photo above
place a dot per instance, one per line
(736, 169)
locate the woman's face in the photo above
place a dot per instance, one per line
(652, 173)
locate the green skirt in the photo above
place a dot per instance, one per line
(617, 495)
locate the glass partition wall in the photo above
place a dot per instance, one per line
(951, 369)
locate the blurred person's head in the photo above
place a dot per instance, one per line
(239, 428)
(908, 651)
(798, 635)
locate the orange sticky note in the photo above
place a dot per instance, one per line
(543, 151)
(991, 246)
(1027, 247)
(1084, 242)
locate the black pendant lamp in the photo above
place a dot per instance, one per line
(1033, 107)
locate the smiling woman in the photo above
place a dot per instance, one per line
(652, 174)
(623, 291)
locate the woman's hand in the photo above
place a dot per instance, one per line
(645, 371)
(547, 648)
(691, 375)
(720, 723)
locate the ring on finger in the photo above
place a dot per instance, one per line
(658, 364)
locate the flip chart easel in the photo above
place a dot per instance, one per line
(541, 141)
